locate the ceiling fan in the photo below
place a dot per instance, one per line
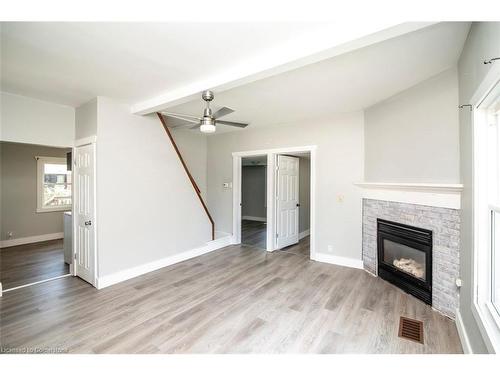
(208, 122)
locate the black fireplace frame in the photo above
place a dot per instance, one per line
(417, 238)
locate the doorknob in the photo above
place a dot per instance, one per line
(87, 223)
(298, 204)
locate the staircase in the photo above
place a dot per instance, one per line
(193, 182)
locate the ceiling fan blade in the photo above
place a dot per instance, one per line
(189, 118)
(195, 127)
(231, 123)
(222, 112)
(175, 122)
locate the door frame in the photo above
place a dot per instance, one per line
(271, 193)
(92, 140)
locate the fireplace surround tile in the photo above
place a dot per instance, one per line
(445, 225)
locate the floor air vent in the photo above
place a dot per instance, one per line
(411, 329)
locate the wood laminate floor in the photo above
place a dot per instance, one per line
(25, 264)
(254, 233)
(233, 300)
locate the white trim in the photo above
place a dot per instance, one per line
(304, 234)
(338, 260)
(488, 329)
(483, 323)
(130, 273)
(79, 143)
(436, 195)
(462, 333)
(430, 187)
(254, 218)
(31, 239)
(303, 149)
(85, 141)
(36, 282)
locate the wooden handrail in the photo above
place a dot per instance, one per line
(193, 182)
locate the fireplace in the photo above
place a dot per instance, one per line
(405, 257)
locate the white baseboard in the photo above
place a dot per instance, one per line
(32, 239)
(130, 273)
(462, 333)
(304, 234)
(339, 261)
(254, 218)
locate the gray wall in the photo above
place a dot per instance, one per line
(193, 148)
(483, 42)
(253, 191)
(304, 193)
(414, 136)
(254, 198)
(19, 191)
(340, 156)
(147, 209)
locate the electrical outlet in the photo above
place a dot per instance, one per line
(10, 234)
(330, 248)
(340, 198)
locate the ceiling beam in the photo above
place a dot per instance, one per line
(311, 48)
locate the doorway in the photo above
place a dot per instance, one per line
(36, 214)
(254, 201)
(289, 197)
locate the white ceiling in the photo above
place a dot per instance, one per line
(348, 82)
(71, 63)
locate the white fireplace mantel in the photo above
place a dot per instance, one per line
(427, 194)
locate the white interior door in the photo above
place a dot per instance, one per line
(287, 201)
(84, 212)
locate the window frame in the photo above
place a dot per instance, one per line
(41, 161)
(485, 313)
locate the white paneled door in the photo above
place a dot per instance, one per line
(287, 199)
(84, 212)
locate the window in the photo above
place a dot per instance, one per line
(493, 123)
(54, 185)
(487, 216)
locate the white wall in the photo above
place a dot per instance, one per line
(483, 42)
(86, 119)
(340, 157)
(28, 120)
(146, 207)
(413, 136)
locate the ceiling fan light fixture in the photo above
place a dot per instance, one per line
(207, 125)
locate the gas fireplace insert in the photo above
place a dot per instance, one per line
(405, 257)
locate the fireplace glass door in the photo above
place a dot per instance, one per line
(405, 258)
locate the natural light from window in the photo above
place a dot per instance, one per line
(486, 290)
(54, 180)
(494, 200)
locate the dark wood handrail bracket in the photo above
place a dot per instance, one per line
(193, 182)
